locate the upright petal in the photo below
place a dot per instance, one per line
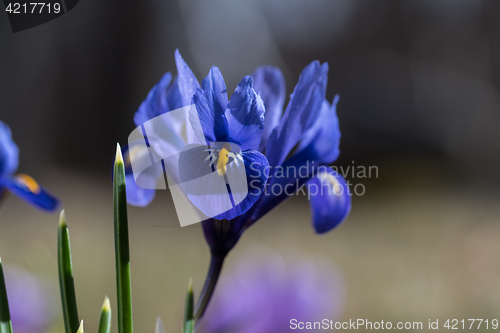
(245, 116)
(28, 189)
(300, 114)
(186, 81)
(321, 142)
(211, 104)
(187, 84)
(156, 103)
(330, 200)
(269, 83)
(9, 153)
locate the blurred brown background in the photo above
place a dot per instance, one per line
(419, 92)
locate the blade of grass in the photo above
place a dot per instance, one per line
(5, 324)
(123, 283)
(66, 282)
(189, 309)
(105, 319)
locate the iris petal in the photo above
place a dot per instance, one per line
(300, 114)
(156, 103)
(211, 104)
(287, 180)
(257, 173)
(245, 115)
(28, 189)
(186, 81)
(321, 142)
(269, 83)
(9, 153)
(187, 84)
(222, 195)
(138, 196)
(180, 92)
(330, 200)
(140, 191)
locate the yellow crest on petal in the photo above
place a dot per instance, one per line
(223, 159)
(28, 182)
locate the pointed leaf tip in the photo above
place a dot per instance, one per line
(106, 306)
(189, 309)
(80, 329)
(62, 219)
(105, 318)
(159, 326)
(119, 157)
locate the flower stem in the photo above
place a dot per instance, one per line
(216, 262)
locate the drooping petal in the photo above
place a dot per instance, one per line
(138, 196)
(211, 104)
(204, 187)
(330, 200)
(300, 114)
(269, 83)
(141, 187)
(156, 102)
(245, 116)
(9, 153)
(257, 173)
(222, 193)
(321, 142)
(30, 191)
(287, 180)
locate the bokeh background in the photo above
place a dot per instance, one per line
(419, 85)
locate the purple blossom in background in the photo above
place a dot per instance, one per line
(263, 296)
(31, 302)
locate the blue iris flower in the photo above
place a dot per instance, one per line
(21, 185)
(270, 142)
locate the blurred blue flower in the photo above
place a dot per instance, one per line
(31, 303)
(263, 296)
(21, 185)
(291, 148)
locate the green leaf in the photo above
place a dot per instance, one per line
(105, 319)
(123, 283)
(66, 283)
(189, 309)
(5, 324)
